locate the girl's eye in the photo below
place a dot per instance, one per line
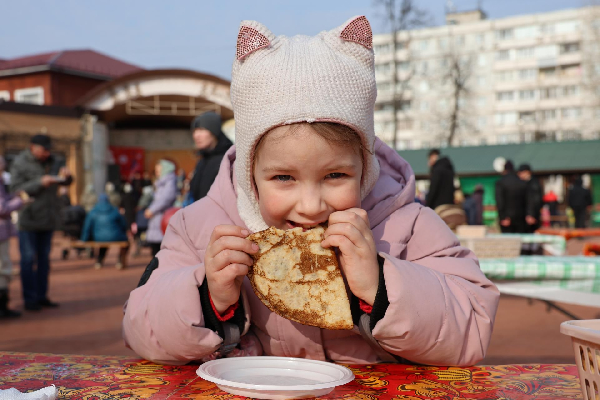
(283, 178)
(336, 175)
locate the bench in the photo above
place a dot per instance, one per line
(122, 245)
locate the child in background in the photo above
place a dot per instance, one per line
(8, 204)
(305, 154)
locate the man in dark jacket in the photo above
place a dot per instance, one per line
(212, 144)
(579, 199)
(510, 201)
(36, 172)
(533, 198)
(441, 187)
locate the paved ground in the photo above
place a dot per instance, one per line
(89, 318)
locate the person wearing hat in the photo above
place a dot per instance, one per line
(533, 198)
(38, 173)
(212, 144)
(510, 201)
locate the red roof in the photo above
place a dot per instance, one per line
(86, 61)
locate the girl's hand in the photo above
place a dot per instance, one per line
(350, 232)
(226, 262)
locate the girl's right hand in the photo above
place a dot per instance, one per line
(226, 262)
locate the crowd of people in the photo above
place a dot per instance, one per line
(137, 208)
(521, 203)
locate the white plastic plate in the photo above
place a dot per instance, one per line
(275, 377)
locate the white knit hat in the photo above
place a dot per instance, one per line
(279, 80)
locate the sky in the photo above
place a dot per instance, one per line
(197, 34)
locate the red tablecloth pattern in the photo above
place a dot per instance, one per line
(81, 377)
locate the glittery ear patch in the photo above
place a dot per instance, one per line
(358, 31)
(249, 40)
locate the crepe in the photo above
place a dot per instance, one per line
(298, 279)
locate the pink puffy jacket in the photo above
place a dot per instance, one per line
(441, 309)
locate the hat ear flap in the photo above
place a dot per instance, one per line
(251, 39)
(358, 30)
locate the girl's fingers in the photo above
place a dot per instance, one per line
(355, 216)
(227, 230)
(342, 242)
(226, 257)
(349, 231)
(232, 271)
(232, 243)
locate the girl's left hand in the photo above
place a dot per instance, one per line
(350, 232)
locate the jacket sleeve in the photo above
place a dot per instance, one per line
(500, 204)
(441, 306)
(9, 204)
(434, 188)
(165, 198)
(86, 231)
(163, 319)
(19, 181)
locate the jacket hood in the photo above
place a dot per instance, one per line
(211, 121)
(443, 163)
(394, 188)
(103, 204)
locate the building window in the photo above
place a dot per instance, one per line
(526, 95)
(405, 124)
(570, 135)
(382, 48)
(571, 70)
(525, 52)
(4, 95)
(571, 90)
(548, 93)
(481, 81)
(527, 74)
(383, 68)
(34, 95)
(526, 117)
(423, 45)
(482, 60)
(504, 76)
(502, 55)
(481, 100)
(424, 86)
(424, 106)
(567, 48)
(402, 66)
(481, 122)
(547, 115)
(547, 73)
(480, 39)
(505, 96)
(505, 118)
(384, 86)
(571, 113)
(504, 34)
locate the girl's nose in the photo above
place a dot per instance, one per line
(311, 203)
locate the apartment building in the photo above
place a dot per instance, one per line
(522, 79)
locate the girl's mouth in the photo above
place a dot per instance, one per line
(304, 226)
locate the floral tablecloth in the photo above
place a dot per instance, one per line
(80, 377)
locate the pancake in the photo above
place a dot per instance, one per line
(298, 279)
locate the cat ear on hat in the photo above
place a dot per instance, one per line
(358, 30)
(252, 36)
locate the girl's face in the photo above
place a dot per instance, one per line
(302, 178)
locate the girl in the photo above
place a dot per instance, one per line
(165, 194)
(306, 153)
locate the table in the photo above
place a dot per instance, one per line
(554, 244)
(569, 233)
(567, 279)
(80, 377)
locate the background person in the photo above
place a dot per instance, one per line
(533, 198)
(165, 194)
(38, 173)
(212, 144)
(579, 199)
(8, 204)
(104, 223)
(511, 201)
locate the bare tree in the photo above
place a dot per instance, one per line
(453, 79)
(402, 15)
